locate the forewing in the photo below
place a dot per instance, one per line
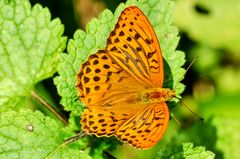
(103, 83)
(133, 44)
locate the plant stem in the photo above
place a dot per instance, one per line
(49, 107)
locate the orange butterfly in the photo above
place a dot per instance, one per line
(122, 84)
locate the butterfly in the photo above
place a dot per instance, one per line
(121, 85)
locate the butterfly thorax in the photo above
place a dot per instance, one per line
(157, 95)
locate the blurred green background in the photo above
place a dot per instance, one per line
(210, 33)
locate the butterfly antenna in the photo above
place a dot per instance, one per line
(191, 111)
(190, 65)
(177, 121)
(75, 138)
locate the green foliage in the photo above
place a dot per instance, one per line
(185, 151)
(171, 152)
(29, 48)
(28, 134)
(196, 153)
(215, 23)
(214, 28)
(228, 135)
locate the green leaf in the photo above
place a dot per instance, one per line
(170, 152)
(208, 133)
(28, 134)
(196, 153)
(185, 151)
(213, 23)
(160, 14)
(30, 44)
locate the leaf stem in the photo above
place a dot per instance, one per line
(50, 108)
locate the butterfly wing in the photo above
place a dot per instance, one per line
(145, 129)
(133, 44)
(103, 83)
(101, 122)
(109, 92)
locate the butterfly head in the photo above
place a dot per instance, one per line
(167, 94)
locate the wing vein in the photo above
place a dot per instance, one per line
(129, 67)
(144, 52)
(140, 60)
